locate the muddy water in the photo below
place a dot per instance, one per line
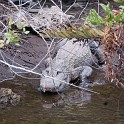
(71, 107)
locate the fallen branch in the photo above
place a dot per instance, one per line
(40, 74)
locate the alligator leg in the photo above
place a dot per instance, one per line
(86, 72)
(98, 52)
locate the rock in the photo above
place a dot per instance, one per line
(7, 96)
(41, 19)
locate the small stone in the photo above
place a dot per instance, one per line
(7, 96)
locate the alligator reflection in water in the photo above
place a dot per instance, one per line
(72, 107)
(73, 97)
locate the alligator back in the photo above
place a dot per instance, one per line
(72, 55)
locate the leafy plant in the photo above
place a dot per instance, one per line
(119, 1)
(121, 14)
(2, 43)
(94, 18)
(12, 36)
(21, 26)
(111, 18)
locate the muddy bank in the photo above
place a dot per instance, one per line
(28, 54)
(32, 48)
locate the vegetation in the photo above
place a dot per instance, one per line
(112, 37)
(12, 35)
(113, 40)
(109, 28)
(112, 17)
(119, 1)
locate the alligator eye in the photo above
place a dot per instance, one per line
(47, 71)
(58, 72)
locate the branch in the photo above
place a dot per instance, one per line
(33, 72)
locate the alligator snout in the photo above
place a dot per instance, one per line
(52, 84)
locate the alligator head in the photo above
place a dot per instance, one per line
(54, 80)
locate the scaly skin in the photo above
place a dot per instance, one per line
(72, 60)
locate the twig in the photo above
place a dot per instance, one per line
(70, 6)
(33, 72)
(82, 12)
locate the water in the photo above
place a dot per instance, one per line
(71, 107)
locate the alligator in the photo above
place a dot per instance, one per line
(72, 60)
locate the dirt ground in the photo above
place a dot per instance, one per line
(28, 54)
(31, 50)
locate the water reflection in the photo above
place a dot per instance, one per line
(71, 107)
(72, 97)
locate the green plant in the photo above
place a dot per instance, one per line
(113, 24)
(111, 18)
(21, 26)
(94, 18)
(12, 36)
(1, 43)
(119, 1)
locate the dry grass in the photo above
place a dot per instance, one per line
(114, 53)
